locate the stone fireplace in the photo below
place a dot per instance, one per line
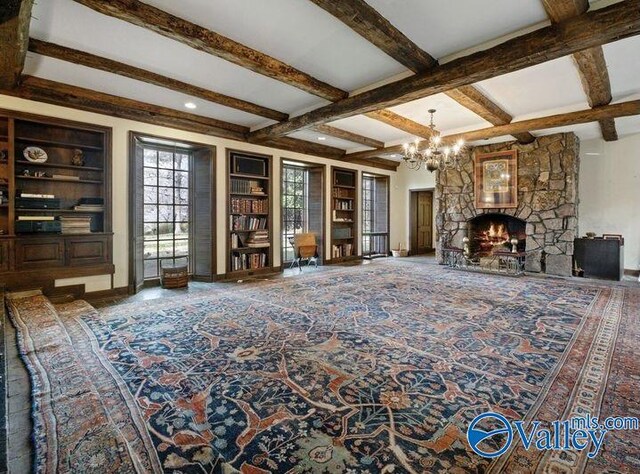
(547, 203)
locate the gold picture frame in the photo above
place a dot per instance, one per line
(496, 179)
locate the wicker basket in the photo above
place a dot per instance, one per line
(173, 274)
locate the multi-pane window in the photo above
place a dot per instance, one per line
(166, 206)
(295, 206)
(375, 215)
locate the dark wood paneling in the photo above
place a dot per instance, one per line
(87, 250)
(39, 253)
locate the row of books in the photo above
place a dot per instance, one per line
(248, 261)
(343, 205)
(258, 239)
(249, 206)
(75, 224)
(342, 193)
(4, 199)
(342, 250)
(245, 186)
(247, 223)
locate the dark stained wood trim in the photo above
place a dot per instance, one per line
(98, 62)
(197, 37)
(474, 100)
(401, 123)
(612, 23)
(15, 18)
(591, 64)
(349, 136)
(372, 26)
(357, 234)
(51, 92)
(605, 112)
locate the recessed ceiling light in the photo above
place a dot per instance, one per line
(322, 138)
(190, 105)
(393, 156)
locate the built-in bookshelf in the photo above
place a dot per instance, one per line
(55, 199)
(249, 215)
(344, 214)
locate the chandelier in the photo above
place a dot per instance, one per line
(434, 156)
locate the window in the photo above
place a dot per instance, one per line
(375, 216)
(166, 206)
(295, 206)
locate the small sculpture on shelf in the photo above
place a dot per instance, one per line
(40, 174)
(514, 245)
(26, 172)
(78, 157)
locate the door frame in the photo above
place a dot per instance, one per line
(323, 168)
(413, 208)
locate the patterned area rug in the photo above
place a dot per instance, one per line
(372, 369)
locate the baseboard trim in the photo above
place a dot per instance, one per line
(112, 293)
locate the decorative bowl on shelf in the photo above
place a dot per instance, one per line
(35, 154)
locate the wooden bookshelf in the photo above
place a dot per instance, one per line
(249, 214)
(344, 215)
(35, 258)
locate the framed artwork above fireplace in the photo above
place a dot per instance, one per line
(496, 179)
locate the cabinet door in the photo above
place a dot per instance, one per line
(4, 256)
(39, 253)
(90, 250)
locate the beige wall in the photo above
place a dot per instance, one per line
(121, 129)
(610, 192)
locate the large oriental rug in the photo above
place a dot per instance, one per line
(371, 369)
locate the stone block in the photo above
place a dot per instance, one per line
(533, 262)
(556, 184)
(547, 215)
(552, 250)
(566, 210)
(554, 224)
(559, 265)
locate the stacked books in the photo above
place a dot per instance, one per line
(249, 206)
(65, 177)
(258, 239)
(90, 205)
(36, 218)
(249, 261)
(248, 223)
(37, 196)
(75, 224)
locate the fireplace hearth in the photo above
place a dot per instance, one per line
(490, 233)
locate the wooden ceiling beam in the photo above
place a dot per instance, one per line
(197, 37)
(596, 114)
(375, 28)
(56, 93)
(474, 100)
(372, 26)
(401, 123)
(348, 136)
(99, 62)
(15, 17)
(44, 90)
(591, 64)
(594, 28)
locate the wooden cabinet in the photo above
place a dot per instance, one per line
(39, 253)
(5, 260)
(87, 250)
(71, 185)
(600, 258)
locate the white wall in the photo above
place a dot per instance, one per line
(610, 192)
(406, 181)
(121, 129)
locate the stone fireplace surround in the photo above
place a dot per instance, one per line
(547, 200)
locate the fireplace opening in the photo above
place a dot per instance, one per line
(489, 233)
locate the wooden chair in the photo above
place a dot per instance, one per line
(305, 247)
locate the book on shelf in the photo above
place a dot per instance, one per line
(65, 177)
(75, 224)
(247, 223)
(258, 239)
(36, 218)
(246, 186)
(248, 261)
(38, 196)
(342, 250)
(249, 206)
(88, 208)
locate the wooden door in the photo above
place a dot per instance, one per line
(421, 221)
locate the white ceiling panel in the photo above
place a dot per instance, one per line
(106, 82)
(585, 131)
(445, 27)
(450, 116)
(311, 136)
(628, 125)
(371, 128)
(294, 31)
(551, 85)
(71, 24)
(623, 63)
